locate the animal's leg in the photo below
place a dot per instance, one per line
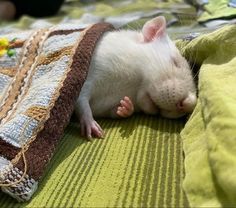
(89, 127)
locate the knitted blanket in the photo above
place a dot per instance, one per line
(41, 74)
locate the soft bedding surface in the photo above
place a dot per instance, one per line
(141, 161)
(209, 137)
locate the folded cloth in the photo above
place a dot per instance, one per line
(209, 137)
(216, 9)
(41, 74)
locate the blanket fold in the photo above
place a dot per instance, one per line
(39, 84)
(209, 137)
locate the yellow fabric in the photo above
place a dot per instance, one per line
(209, 138)
(4, 43)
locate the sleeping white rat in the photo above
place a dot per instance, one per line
(135, 71)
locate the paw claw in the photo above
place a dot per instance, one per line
(90, 128)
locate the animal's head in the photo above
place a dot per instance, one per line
(172, 87)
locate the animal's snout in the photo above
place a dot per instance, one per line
(187, 104)
(180, 105)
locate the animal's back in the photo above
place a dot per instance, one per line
(113, 73)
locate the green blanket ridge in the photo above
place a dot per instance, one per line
(139, 163)
(209, 137)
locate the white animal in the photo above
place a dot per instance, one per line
(134, 71)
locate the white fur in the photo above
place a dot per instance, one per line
(123, 66)
(152, 74)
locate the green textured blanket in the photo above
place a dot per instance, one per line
(138, 164)
(218, 9)
(209, 137)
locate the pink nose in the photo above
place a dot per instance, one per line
(180, 105)
(187, 104)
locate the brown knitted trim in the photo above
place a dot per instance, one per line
(54, 56)
(7, 150)
(11, 72)
(38, 113)
(18, 83)
(65, 32)
(17, 44)
(37, 154)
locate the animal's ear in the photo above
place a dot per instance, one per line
(154, 28)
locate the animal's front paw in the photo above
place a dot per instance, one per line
(90, 128)
(126, 107)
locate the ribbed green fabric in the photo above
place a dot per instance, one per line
(138, 164)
